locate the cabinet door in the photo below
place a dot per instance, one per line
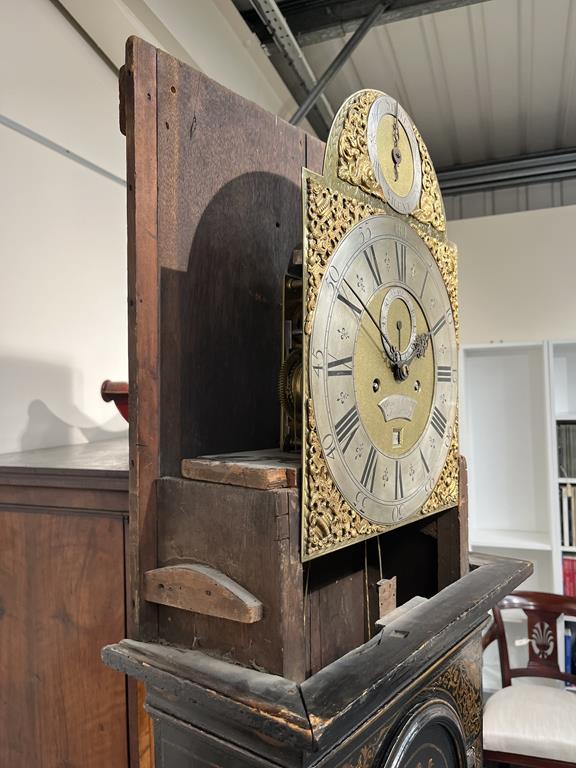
(61, 600)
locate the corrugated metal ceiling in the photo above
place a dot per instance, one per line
(482, 82)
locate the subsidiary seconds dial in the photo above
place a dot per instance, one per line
(382, 369)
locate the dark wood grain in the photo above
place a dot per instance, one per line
(201, 589)
(335, 606)
(526, 761)
(139, 103)
(245, 534)
(406, 646)
(259, 469)
(61, 599)
(106, 460)
(266, 708)
(346, 714)
(229, 217)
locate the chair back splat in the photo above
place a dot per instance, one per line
(530, 724)
(542, 610)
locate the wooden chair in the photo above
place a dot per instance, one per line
(529, 724)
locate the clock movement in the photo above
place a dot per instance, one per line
(369, 381)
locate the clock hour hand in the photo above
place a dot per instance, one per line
(396, 154)
(387, 345)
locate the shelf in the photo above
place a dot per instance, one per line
(567, 480)
(566, 416)
(569, 549)
(509, 539)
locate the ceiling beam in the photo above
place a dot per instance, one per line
(344, 54)
(517, 172)
(313, 21)
(292, 65)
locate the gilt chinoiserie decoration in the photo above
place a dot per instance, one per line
(377, 336)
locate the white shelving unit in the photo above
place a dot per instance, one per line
(512, 396)
(507, 430)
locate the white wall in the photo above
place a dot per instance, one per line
(63, 326)
(208, 34)
(62, 239)
(517, 276)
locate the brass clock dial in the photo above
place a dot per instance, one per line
(394, 154)
(382, 369)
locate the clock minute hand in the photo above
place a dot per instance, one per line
(371, 316)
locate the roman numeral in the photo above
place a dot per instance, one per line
(340, 367)
(426, 467)
(443, 374)
(369, 471)
(401, 260)
(439, 325)
(370, 257)
(398, 487)
(439, 422)
(348, 303)
(423, 284)
(346, 428)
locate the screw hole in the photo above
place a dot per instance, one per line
(376, 385)
(149, 97)
(167, 126)
(173, 89)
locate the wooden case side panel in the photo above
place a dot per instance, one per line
(245, 533)
(139, 100)
(452, 532)
(62, 599)
(229, 217)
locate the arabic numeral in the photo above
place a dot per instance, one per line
(318, 364)
(329, 445)
(333, 277)
(366, 233)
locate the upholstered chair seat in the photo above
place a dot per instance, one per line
(531, 720)
(526, 723)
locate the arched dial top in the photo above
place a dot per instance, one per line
(383, 369)
(394, 154)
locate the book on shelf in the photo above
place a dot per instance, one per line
(569, 575)
(570, 648)
(567, 515)
(566, 439)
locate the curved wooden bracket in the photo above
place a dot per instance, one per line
(201, 589)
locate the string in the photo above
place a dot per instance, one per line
(366, 589)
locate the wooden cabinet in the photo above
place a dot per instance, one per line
(63, 523)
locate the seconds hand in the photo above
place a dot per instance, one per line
(371, 316)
